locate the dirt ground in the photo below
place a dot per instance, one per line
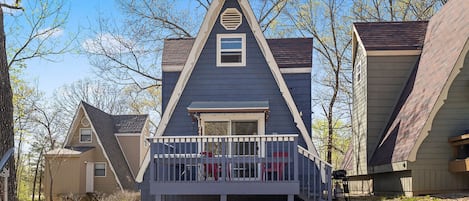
(442, 197)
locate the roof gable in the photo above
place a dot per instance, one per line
(448, 28)
(104, 127)
(201, 40)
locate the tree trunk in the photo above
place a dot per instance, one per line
(41, 174)
(6, 112)
(35, 175)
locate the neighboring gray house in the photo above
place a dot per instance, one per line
(411, 105)
(237, 116)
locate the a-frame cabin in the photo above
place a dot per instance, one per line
(236, 122)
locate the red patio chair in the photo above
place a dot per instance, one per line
(275, 167)
(210, 168)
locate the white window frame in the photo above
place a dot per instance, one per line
(243, 50)
(105, 168)
(91, 135)
(358, 67)
(210, 117)
(230, 117)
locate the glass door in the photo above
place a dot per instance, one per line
(245, 150)
(242, 155)
(215, 128)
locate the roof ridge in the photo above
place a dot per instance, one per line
(393, 22)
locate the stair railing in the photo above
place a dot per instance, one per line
(314, 176)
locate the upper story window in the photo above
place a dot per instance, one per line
(85, 135)
(231, 50)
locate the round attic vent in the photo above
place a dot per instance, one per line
(231, 19)
(85, 122)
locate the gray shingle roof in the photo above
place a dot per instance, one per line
(392, 35)
(288, 52)
(105, 127)
(129, 123)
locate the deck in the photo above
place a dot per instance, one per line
(237, 165)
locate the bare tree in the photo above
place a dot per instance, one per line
(326, 21)
(395, 10)
(129, 52)
(32, 41)
(48, 129)
(105, 96)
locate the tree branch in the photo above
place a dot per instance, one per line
(16, 7)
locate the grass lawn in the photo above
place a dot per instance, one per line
(442, 197)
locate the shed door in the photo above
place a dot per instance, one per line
(89, 177)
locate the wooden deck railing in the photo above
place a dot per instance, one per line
(252, 158)
(315, 176)
(254, 164)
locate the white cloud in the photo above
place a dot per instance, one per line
(50, 33)
(112, 44)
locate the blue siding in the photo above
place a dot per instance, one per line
(169, 82)
(254, 82)
(300, 88)
(145, 187)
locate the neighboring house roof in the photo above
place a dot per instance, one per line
(106, 126)
(446, 43)
(288, 52)
(195, 51)
(129, 123)
(69, 151)
(392, 35)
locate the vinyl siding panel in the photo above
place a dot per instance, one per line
(169, 82)
(129, 146)
(300, 88)
(107, 184)
(394, 183)
(359, 110)
(435, 152)
(254, 82)
(386, 78)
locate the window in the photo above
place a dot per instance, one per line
(359, 70)
(223, 124)
(231, 50)
(85, 135)
(100, 169)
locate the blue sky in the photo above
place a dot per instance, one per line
(49, 76)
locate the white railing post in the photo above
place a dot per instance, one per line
(295, 161)
(223, 162)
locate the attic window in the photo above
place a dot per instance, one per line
(85, 135)
(231, 19)
(231, 50)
